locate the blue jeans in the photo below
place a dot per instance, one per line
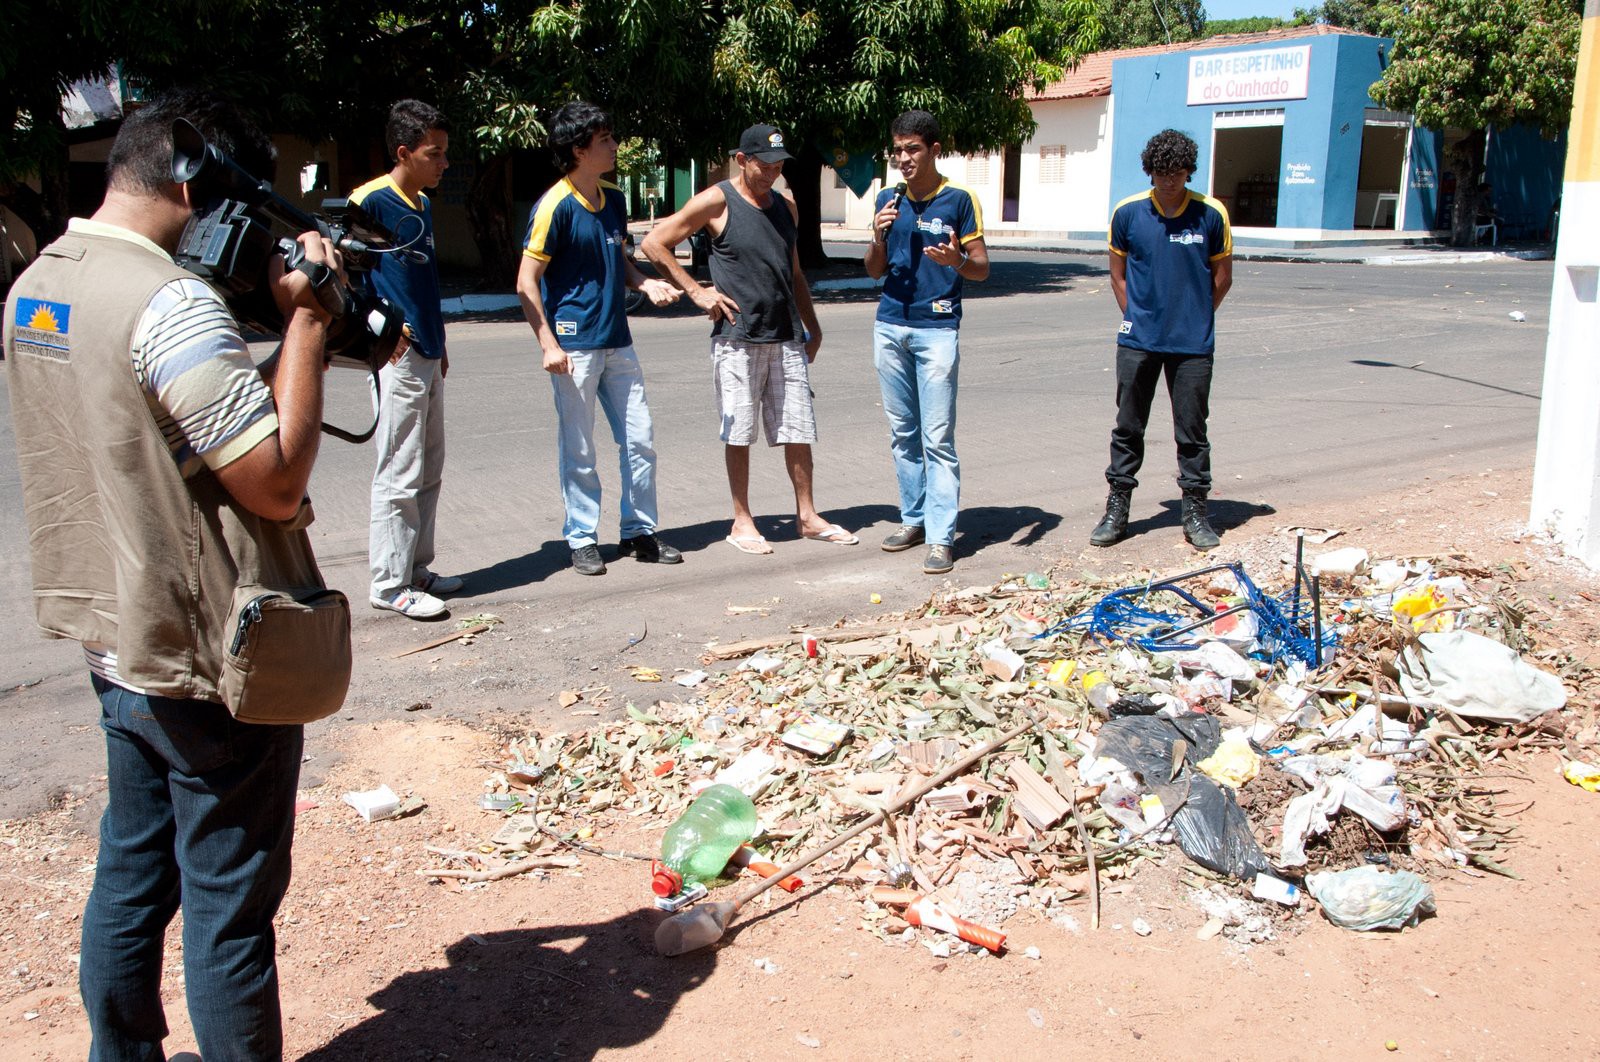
(200, 813)
(917, 370)
(612, 377)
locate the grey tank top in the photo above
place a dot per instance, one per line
(752, 263)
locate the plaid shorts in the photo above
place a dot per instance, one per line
(772, 375)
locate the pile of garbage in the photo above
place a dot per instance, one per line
(1352, 776)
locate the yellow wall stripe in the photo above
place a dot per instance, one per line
(1583, 140)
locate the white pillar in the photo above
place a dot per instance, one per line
(1566, 467)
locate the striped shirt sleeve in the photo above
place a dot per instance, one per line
(207, 396)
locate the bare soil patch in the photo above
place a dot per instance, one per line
(379, 961)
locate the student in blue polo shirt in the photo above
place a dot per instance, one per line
(1171, 267)
(927, 239)
(571, 282)
(409, 439)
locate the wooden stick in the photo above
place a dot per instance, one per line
(823, 634)
(1094, 871)
(806, 859)
(476, 628)
(510, 870)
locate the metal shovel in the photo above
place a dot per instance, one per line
(705, 923)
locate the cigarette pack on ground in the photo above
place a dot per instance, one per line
(816, 735)
(375, 804)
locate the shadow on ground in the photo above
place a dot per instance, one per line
(529, 993)
(980, 527)
(1226, 515)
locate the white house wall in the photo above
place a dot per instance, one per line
(1075, 203)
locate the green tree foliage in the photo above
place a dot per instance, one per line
(1216, 27)
(1364, 16)
(837, 72)
(688, 74)
(1136, 23)
(1473, 64)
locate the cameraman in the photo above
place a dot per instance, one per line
(160, 472)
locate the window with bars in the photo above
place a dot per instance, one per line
(1053, 164)
(978, 170)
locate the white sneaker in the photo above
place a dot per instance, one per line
(434, 583)
(409, 601)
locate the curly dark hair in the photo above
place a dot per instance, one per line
(1169, 151)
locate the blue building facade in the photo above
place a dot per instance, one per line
(1291, 139)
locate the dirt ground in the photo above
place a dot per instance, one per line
(379, 961)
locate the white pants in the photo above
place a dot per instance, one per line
(405, 487)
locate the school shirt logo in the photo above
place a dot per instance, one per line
(1186, 238)
(935, 226)
(42, 328)
(566, 328)
(943, 306)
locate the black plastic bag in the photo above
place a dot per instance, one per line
(1212, 829)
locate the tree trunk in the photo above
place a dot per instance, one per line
(489, 208)
(1466, 161)
(804, 174)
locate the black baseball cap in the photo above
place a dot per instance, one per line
(763, 142)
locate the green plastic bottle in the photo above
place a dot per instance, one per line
(698, 846)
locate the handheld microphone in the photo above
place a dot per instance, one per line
(899, 195)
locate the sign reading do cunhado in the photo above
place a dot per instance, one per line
(1250, 77)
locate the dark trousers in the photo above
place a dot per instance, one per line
(200, 815)
(1189, 388)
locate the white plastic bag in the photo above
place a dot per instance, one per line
(1369, 898)
(1478, 677)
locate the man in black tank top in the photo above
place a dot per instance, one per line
(764, 331)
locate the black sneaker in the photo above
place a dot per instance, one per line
(938, 561)
(586, 560)
(649, 550)
(909, 535)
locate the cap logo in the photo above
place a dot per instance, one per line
(775, 140)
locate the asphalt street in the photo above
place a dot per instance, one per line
(1334, 382)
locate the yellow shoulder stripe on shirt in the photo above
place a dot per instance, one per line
(1227, 226)
(539, 232)
(378, 183)
(1146, 194)
(977, 212)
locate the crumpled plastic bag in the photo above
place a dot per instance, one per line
(1234, 763)
(1584, 775)
(1478, 678)
(1210, 826)
(1365, 898)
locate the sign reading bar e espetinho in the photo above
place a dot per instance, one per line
(1250, 77)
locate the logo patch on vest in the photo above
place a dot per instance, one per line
(42, 328)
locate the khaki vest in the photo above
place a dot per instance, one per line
(125, 551)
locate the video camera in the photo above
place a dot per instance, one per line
(239, 223)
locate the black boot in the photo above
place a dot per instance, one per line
(1114, 524)
(1196, 524)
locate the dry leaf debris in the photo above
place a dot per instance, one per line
(918, 689)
